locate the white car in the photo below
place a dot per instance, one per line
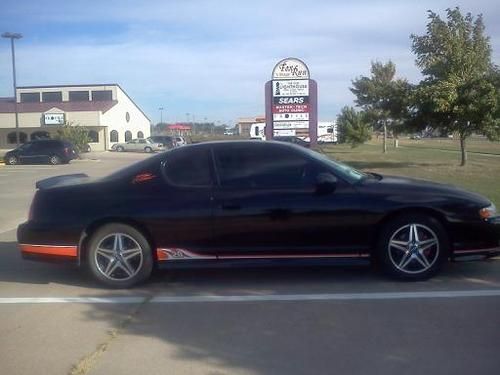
(180, 141)
(139, 145)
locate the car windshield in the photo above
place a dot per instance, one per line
(342, 170)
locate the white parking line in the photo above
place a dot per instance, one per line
(261, 298)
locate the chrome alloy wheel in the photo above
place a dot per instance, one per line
(118, 257)
(12, 160)
(413, 248)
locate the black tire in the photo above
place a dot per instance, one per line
(54, 160)
(12, 160)
(120, 149)
(422, 259)
(148, 150)
(101, 247)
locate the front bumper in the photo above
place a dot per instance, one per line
(479, 239)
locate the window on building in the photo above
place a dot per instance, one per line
(140, 135)
(94, 136)
(30, 97)
(189, 168)
(128, 135)
(52, 96)
(78, 96)
(39, 135)
(11, 138)
(113, 136)
(99, 95)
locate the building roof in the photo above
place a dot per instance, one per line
(83, 106)
(87, 85)
(77, 85)
(179, 127)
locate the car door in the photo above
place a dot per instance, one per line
(141, 144)
(29, 152)
(132, 145)
(180, 210)
(267, 204)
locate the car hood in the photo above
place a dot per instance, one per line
(413, 186)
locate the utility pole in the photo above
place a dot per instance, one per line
(12, 37)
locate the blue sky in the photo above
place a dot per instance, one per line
(212, 58)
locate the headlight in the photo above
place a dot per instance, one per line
(488, 212)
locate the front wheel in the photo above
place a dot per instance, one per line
(120, 149)
(413, 247)
(119, 256)
(148, 150)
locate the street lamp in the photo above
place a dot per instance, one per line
(13, 36)
(161, 115)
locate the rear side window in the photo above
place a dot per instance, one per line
(46, 145)
(189, 167)
(262, 166)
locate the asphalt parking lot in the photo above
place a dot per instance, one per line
(55, 319)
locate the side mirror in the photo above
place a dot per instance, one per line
(326, 183)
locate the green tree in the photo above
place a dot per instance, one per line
(458, 93)
(353, 127)
(383, 97)
(76, 134)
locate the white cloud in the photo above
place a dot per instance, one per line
(212, 58)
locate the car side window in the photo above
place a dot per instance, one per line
(37, 147)
(262, 166)
(189, 167)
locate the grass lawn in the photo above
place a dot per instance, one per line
(482, 174)
(473, 145)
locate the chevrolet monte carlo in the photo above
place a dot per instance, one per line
(249, 202)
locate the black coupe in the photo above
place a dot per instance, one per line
(253, 202)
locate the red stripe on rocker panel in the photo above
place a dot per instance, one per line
(66, 251)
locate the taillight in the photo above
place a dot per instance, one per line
(66, 150)
(30, 213)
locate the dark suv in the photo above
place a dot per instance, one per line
(50, 151)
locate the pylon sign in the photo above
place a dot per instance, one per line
(291, 101)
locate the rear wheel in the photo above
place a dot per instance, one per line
(413, 247)
(12, 160)
(148, 150)
(120, 149)
(119, 256)
(54, 160)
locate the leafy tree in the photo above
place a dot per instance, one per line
(353, 127)
(460, 90)
(76, 134)
(383, 97)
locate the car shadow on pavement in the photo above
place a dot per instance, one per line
(285, 337)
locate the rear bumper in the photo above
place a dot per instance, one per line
(42, 242)
(49, 253)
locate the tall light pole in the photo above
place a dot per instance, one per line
(161, 115)
(12, 37)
